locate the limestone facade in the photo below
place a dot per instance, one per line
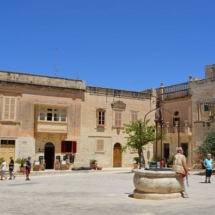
(119, 107)
(61, 119)
(188, 113)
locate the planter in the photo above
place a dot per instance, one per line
(22, 169)
(136, 166)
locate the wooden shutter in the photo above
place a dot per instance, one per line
(9, 108)
(12, 108)
(100, 146)
(74, 146)
(133, 117)
(6, 108)
(63, 146)
(118, 116)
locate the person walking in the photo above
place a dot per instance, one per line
(11, 167)
(208, 163)
(180, 167)
(28, 168)
(3, 169)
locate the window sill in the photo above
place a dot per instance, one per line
(8, 122)
(118, 127)
(101, 127)
(45, 121)
(99, 152)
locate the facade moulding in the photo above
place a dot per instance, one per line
(117, 93)
(41, 85)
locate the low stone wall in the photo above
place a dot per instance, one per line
(152, 184)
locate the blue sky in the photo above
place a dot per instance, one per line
(123, 44)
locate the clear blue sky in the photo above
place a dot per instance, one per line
(123, 44)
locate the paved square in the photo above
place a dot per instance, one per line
(97, 193)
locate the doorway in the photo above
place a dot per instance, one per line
(49, 155)
(117, 155)
(185, 149)
(166, 150)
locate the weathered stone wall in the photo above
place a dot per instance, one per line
(90, 133)
(39, 80)
(24, 126)
(210, 71)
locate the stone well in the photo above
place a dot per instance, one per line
(157, 184)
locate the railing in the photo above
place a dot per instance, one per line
(176, 88)
(175, 129)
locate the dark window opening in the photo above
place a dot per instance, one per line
(206, 108)
(68, 146)
(8, 142)
(49, 116)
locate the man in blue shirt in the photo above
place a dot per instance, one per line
(208, 163)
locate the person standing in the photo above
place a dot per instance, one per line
(11, 167)
(180, 167)
(28, 168)
(3, 169)
(208, 163)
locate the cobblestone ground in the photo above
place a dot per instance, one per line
(97, 193)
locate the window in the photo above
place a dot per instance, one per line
(9, 111)
(8, 142)
(68, 146)
(134, 117)
(206, 108)
(52, 114)
(118, 118)
(100, 117)
(100, 146)
(176, 121)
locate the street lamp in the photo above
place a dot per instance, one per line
(158, 122)
(177, 123)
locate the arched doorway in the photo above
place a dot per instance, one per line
(117, 155)
(49, 155)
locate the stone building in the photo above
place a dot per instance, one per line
(105, 111)
(61, 119)
(41, 116)
(188, 112)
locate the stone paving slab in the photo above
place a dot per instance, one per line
(98, 193)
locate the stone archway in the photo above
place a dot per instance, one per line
(49, 154)
(117, 155)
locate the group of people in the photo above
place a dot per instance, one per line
(180, 167)
(11, 168)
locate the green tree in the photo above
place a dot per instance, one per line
(208, 145)
(139, 134)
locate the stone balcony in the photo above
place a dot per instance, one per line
(184, 129)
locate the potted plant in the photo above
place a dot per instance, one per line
(93, 163)
(170, 161)
(22, 162)
(1, 160)
(136, 164)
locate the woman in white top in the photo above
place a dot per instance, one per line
(3, 169)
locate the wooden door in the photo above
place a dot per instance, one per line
(7, 151)
(49, 155)
(117, 155)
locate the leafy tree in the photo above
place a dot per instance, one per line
(208, 145)
(139, 134)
